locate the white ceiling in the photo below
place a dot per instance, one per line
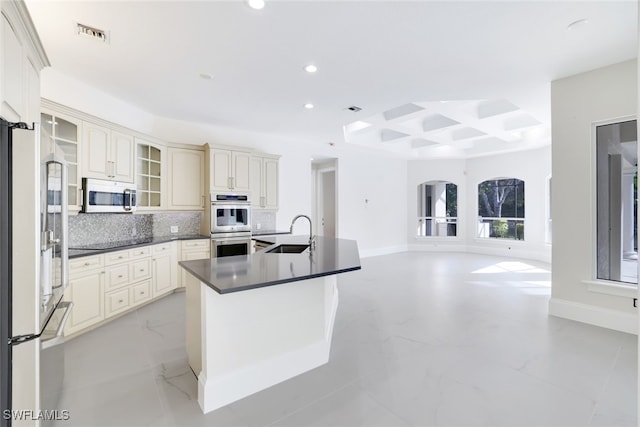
(378, 55)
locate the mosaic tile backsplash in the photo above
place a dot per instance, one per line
(89, 229)
(266, 219)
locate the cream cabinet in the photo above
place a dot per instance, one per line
(110, 284)
(86, 290)
(165, 268)
(21, 59)
(150, 173)
(106, 153)
(230, 170)
(65, 131)
(264, 181)
(186, 183)
(190, 250)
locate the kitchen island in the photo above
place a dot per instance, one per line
(256, 320)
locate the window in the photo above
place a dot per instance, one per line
(617, 195)
(437, 209)
(501, 208)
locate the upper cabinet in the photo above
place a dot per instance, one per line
(21, 59)
(264, 181)
(150, 172)
(106, 154)
(230, 170)
(186, 184)
(64, 131)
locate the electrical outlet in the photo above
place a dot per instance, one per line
(174, 228)
(258, 226)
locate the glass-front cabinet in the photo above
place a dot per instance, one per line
(65, 132)
(149, 158)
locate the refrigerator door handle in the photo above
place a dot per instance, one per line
(58, 338)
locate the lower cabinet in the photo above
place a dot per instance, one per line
(165, 267)
(86, 290)
(106, 285)
(190, 250)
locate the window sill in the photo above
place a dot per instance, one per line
(445, 238)
(612, 288)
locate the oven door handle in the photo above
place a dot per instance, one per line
(58, 338)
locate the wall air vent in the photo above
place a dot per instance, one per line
(353, 108)
(92, 33)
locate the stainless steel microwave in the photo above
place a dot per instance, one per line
(101, 196)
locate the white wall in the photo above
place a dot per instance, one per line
(372, 202)
(378, 226)
(533, 167)
(577, 103)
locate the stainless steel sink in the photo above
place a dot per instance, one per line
(288, 249)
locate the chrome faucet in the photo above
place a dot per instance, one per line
(312, 238)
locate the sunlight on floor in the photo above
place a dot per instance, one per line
(510, 267)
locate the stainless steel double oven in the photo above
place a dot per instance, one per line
(230, 225)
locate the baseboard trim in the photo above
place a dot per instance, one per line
(593, 315)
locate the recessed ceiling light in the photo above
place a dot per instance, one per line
(308, 106)
(206, 76)
(577, 24)
(256, 4)
(310, 68)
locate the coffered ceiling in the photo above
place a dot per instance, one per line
(431, 78)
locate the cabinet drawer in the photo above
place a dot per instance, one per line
(140, 270)
(116, 301)
(164, 248)
(195, 244)
(140, 252)
(80, 265)
(140, 292)
(117, 276)
(116, 257)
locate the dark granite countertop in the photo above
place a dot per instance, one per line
(101, 248)
(262, 232)
(244, 272)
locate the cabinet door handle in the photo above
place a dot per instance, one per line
(120, 301)
(262, 201)
(229, 183)
(142, 270)
(120, 276)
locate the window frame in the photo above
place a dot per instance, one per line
(447, 219)
(479, 218)
(595, 284)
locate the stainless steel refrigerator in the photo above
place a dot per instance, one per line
(47, 305)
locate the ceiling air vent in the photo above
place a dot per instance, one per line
(92, 33)
(353, 108)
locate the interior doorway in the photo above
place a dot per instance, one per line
(325, 197)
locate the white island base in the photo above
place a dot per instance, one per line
(242, 342)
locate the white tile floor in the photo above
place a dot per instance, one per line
(420, 339)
